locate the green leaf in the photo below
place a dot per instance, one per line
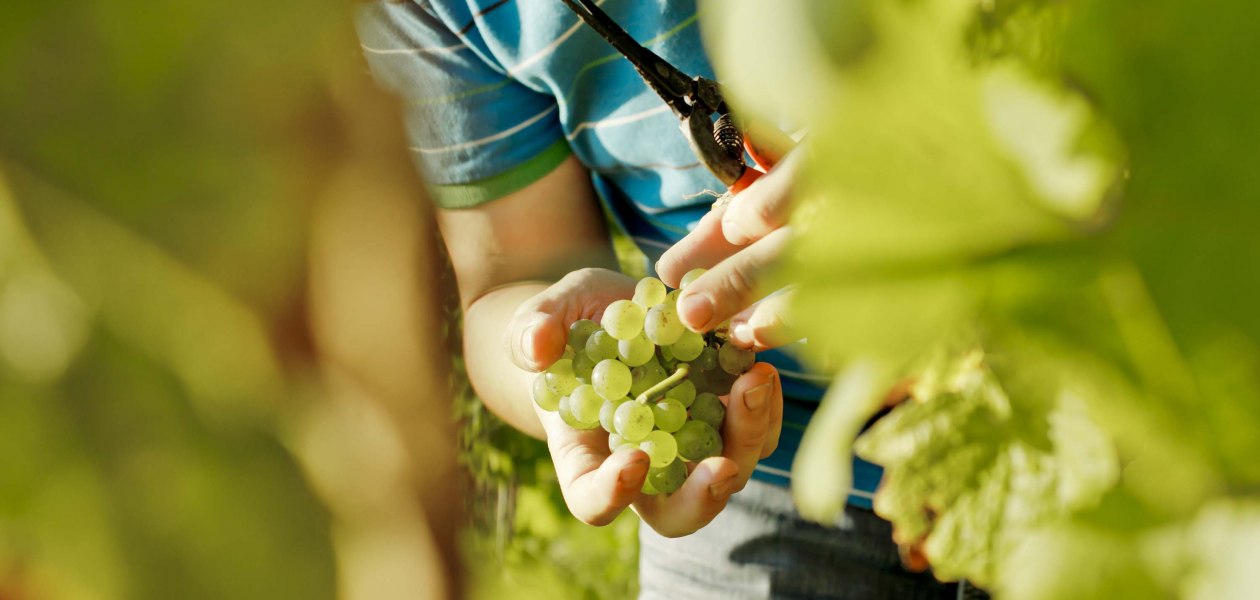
(973, 473)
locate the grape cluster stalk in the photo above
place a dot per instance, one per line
(648, 381)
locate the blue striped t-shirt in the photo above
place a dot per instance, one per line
(500, 92)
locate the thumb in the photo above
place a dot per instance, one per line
(535, 340)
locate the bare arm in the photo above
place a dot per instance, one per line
(504, 253)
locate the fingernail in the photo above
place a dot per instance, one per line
(531, 353)
(695, 309)
(732, 231)
(742, 334)
(633, 472)
(722, 489)
(756, 397)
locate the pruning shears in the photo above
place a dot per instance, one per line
(720, 143)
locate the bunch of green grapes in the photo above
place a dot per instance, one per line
(650, 382)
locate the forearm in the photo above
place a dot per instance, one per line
(503, 386)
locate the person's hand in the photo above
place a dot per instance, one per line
(736, 242)
(598, 484)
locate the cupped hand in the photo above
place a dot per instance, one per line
(598, 484)
(736, 242)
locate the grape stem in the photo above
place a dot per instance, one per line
(664, 385)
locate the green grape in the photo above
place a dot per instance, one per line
(661, 325)
(708, 408)
(606, 412)
(635, 351)
(697, 441)
(611, 379)
(649, 292)
(568, 353)
(623, 319)
(566, 414)
(707, 360)
(601, 345)
(684, 393)
(544, 396)
(661, 447)
(633, 421)
(585, 404)
(669, 478)
(691, 276)
(560, 377)
(582, 366)
(689, 346)
(671, 299)
(648, 488)
(644, 377)
(615, 441)
(669, 414)
(735, 360)
(667, 355)
(579, 331)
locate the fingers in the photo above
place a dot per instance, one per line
(730, 286)
(539, 330)
(764, 325)
(704, 247)
(536, 339)
(748, 408)
(762, 208)
(692, 506)
(596, 485)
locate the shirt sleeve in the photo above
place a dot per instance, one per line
(476, 133)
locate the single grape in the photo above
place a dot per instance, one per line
(708, 408)
(691, 276)
(735, 360)
(585, 404)
(648, 488)
(649, 292)
(669, 414)
(601, 345)
(607, 411)
(579, 331)
(582, 366)
(633, 421)
(611, 379)
(671, 299)
(689, 346)
(661, 447)
(635, 351)
(644, 377)
(668, 479)
(684, 393)
(560, 377)
(566, 414)
(616, 442)
(623, 319)
(544, 396)
(697, 441)
(707, 359)
(661, 325)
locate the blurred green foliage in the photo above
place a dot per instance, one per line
(1063, 190)
(152, 181)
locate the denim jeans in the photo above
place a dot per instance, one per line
(760, 547)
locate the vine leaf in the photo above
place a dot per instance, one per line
(969, 475)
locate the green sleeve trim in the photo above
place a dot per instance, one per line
(467, 195)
